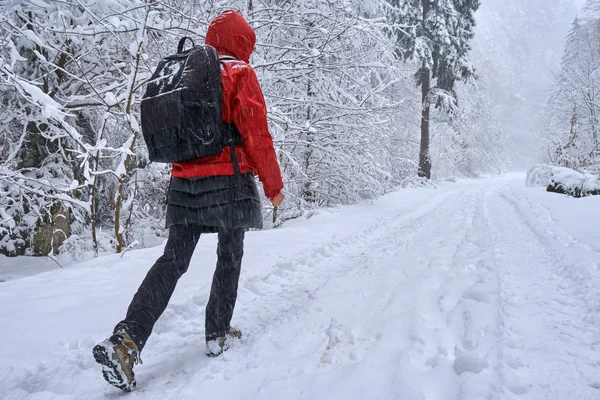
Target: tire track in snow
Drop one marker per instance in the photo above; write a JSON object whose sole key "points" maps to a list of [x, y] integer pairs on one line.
{"points": [[545, 342], [418, 281], [384, 304], [462, 351], [284, 294]]}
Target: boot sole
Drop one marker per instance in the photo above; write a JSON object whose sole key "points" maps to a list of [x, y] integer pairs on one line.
{"points": [[111, 370], [212, 354], [225, 347]]}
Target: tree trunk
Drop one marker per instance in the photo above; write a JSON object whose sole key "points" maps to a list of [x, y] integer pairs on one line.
{"points": [[593, 119], [424, 160], [119, 231], [307, 192], [93, 207]]}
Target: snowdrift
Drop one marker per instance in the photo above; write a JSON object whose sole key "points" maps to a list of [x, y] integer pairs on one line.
{"points": [[564, 180]]}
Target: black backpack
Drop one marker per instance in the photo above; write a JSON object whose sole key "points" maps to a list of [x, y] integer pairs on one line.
{"points": [[181, 108]]}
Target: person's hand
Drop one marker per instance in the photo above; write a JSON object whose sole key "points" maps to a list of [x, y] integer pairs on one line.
{"points": [[277, 200]]}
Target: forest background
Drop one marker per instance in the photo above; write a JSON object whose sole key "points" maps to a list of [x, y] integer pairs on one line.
{"points": [[343, 81]]}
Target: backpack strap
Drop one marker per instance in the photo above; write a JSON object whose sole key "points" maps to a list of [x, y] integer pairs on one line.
{"points": [[233, 138], [182, 43], [227, 58], [233, 135], [234, 159]]}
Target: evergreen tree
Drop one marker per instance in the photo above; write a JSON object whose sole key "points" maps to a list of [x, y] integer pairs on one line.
{"points": [[592, 7], [436, 35]]}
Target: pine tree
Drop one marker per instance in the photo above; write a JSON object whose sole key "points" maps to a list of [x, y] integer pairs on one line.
{"points": [[569, 53], [573, 110], [592, 7], [435, 34]]}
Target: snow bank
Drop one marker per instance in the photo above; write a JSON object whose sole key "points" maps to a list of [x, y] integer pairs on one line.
{"points": [[573, 183], [564, 180]]}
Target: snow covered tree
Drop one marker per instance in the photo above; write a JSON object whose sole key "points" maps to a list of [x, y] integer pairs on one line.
{"points": [[435, 34], [471, 143], [517, 45], [573, 110], [327, 71], [71, 148], [71, 132], [343, 107]]}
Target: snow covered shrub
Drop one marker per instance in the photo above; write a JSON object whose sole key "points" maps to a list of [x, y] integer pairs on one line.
{"points": [[573, 183], [563, 180], [539, 175]]}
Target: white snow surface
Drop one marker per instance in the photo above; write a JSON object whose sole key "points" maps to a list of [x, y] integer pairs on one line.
{"points": [[479, 289]]}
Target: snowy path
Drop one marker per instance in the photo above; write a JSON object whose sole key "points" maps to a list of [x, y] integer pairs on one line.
{"points": [[475, 290]]}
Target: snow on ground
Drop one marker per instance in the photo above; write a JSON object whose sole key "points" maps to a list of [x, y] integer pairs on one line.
{"points": [[14, 268], [481, 289]]}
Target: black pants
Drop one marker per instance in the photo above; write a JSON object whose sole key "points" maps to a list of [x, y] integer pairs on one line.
{"points": [[155, 291]]}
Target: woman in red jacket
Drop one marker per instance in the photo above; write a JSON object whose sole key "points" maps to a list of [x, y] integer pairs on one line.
{"points": [[212, 194]]}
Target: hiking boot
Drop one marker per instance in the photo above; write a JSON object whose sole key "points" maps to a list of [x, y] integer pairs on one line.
{"points": [[117, 355], [216, 345]]}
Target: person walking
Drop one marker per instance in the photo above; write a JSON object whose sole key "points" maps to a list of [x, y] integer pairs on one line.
{"points": [[214, 194]]}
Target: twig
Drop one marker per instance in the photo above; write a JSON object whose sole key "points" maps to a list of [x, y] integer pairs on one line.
{"points": [[53, 259], [135, 243]]}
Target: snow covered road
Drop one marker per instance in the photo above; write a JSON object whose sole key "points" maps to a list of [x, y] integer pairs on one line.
{"points": [[480, 289]]}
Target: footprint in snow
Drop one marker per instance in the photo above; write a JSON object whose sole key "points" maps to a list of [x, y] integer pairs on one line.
{"points": [[514, 383], [468, 361], [340, 343]]}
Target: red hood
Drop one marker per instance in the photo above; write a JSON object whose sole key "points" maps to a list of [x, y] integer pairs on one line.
{"points": [[231, 35]]}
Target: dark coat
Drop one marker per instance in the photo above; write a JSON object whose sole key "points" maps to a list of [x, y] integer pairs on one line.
{"points": [[214, 201]]}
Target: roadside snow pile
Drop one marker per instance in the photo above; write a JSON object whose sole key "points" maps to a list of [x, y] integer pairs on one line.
{"points": [[573, 183], [564, 180]]}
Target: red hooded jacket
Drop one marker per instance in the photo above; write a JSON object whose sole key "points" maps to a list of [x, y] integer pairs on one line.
{"points": [[244, 105]]}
